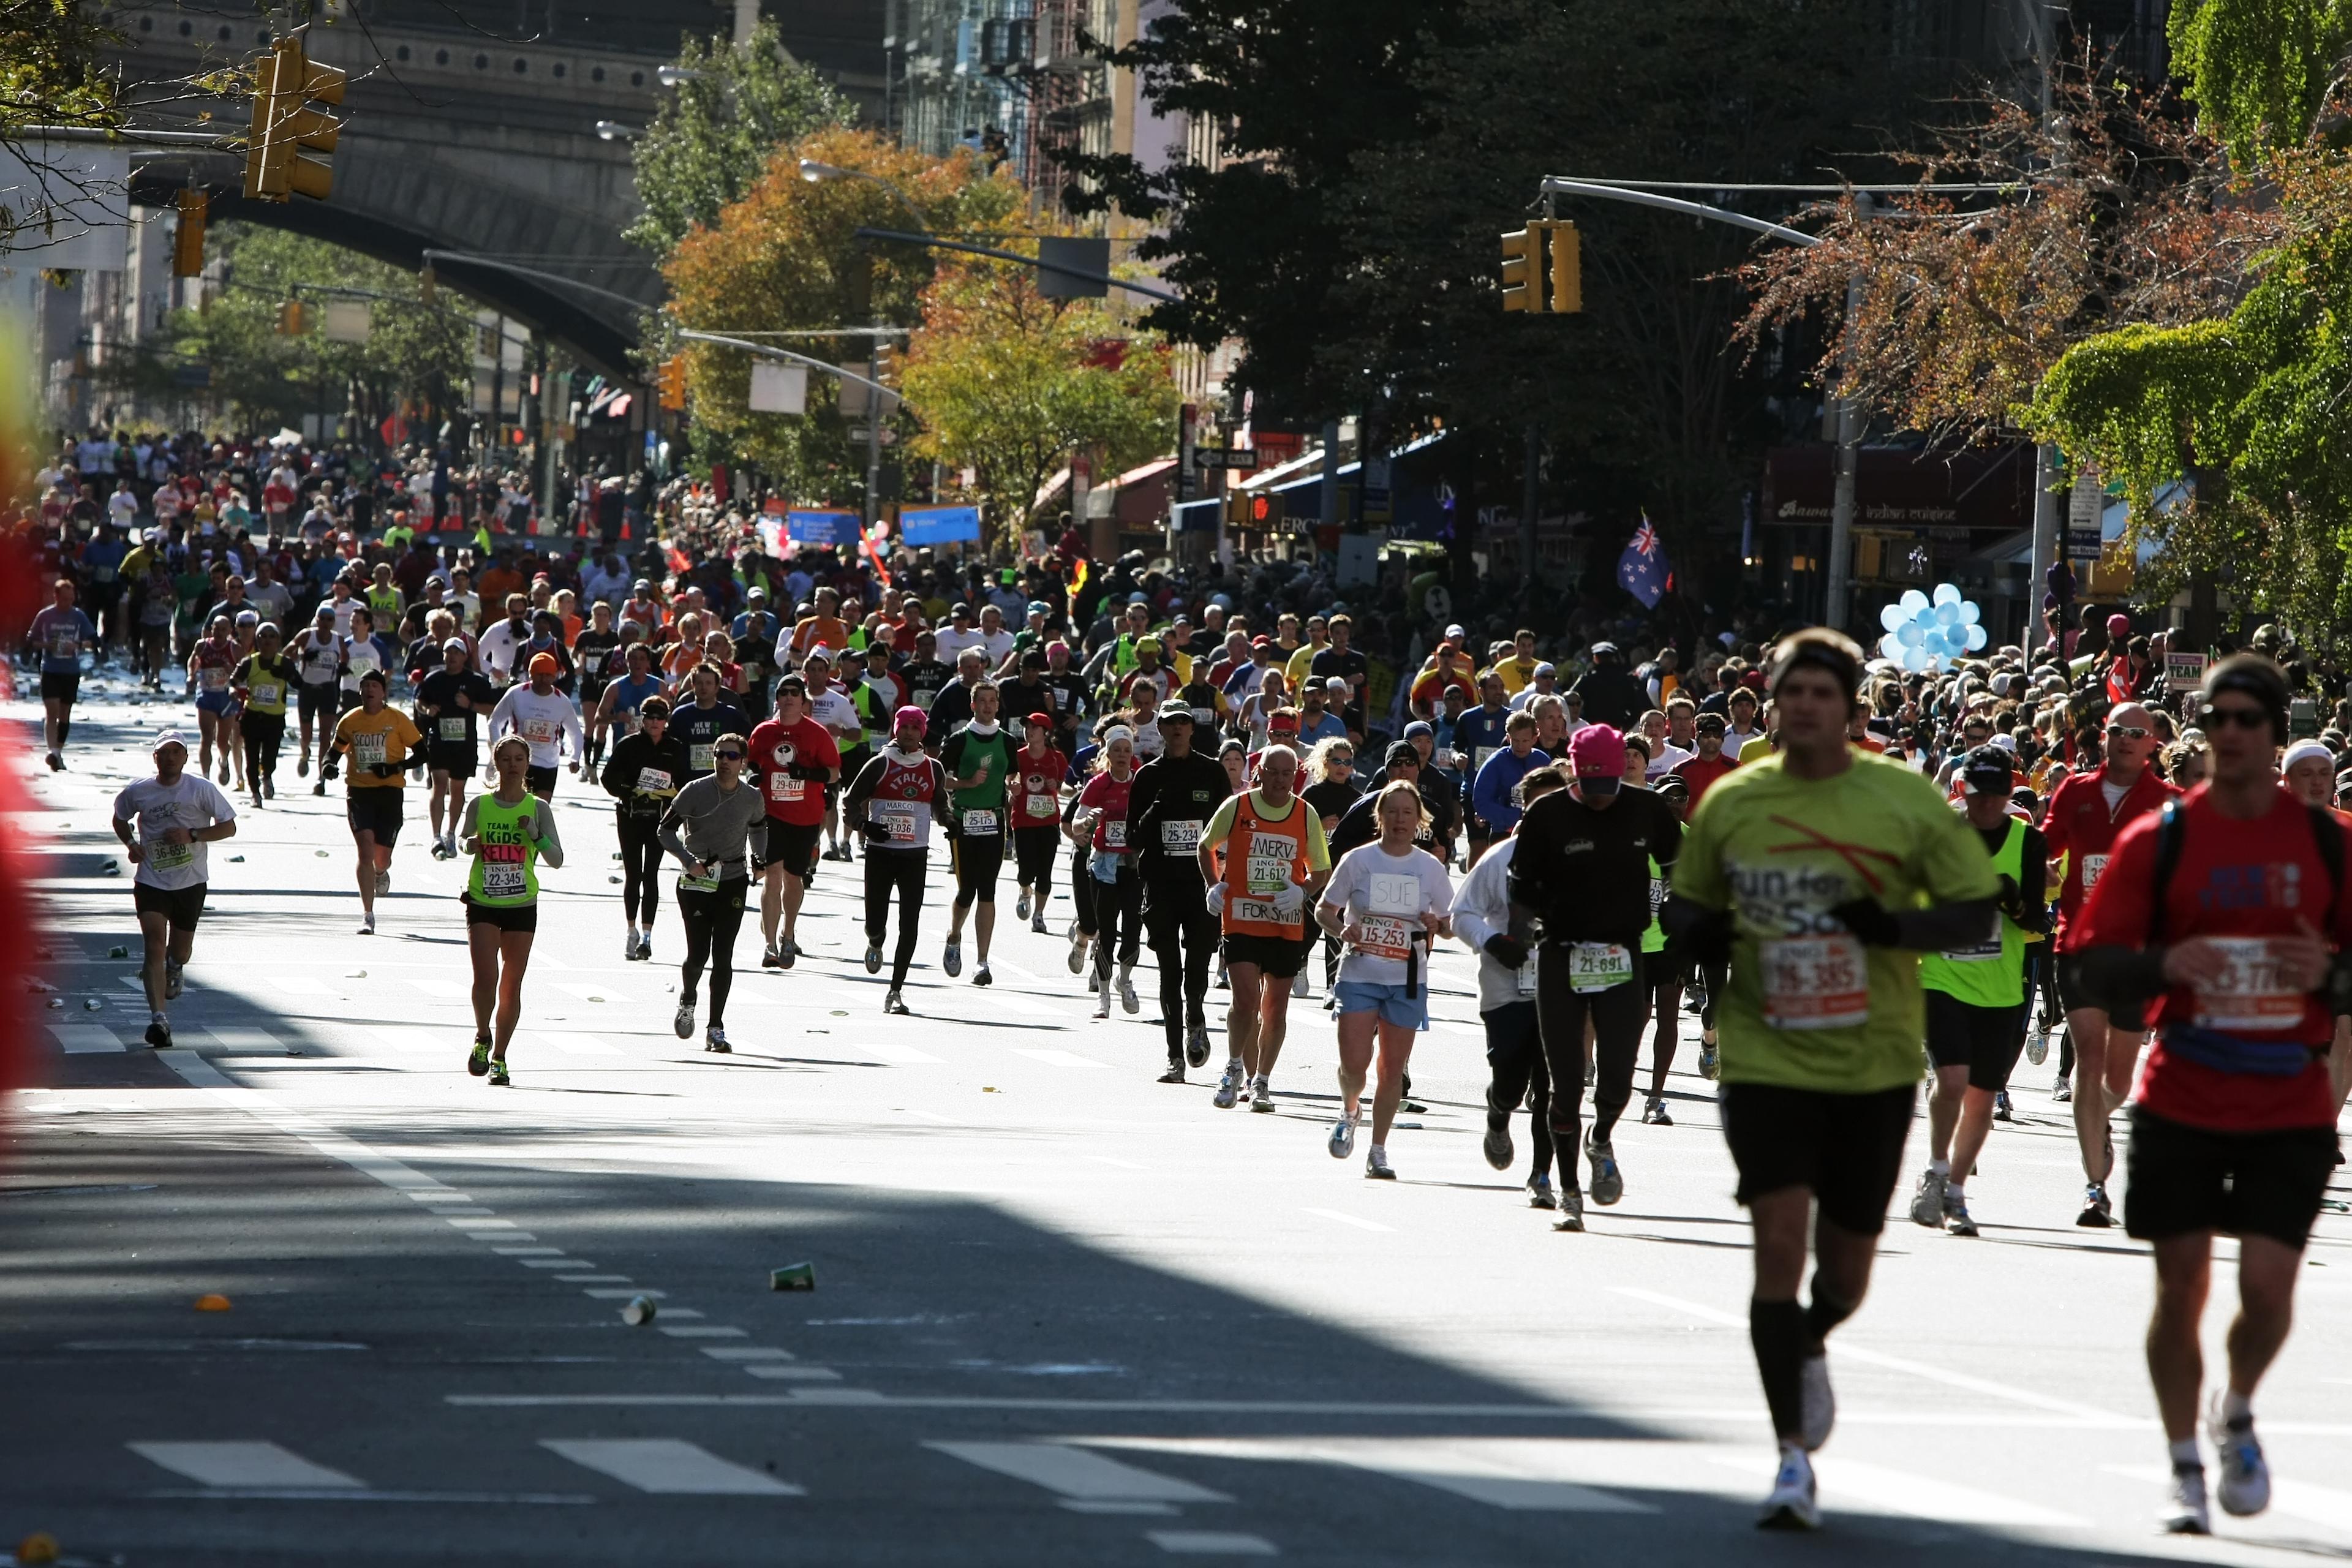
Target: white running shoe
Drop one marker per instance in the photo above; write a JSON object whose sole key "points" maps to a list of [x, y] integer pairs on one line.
{"points": [[1791, 1503], [1037, 920], [951, 959], [2245, 1473], [1079, 941], [1343, 1134], [172, 982], [1229, 1087], [1300, 985], [1020, 906], [684, 1020], [1927, 1200], [383, 881], [1376, 1166], [2186, 1511], [1102, 997], [1128, 999], [367, 922], [1817, 1409], [1261, 1095]]}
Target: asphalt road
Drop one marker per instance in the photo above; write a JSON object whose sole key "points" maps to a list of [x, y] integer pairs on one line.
{"points": [[1063, 1314]]}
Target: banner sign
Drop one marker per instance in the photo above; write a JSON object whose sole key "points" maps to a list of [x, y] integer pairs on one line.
{"points": [[836, 528], [918, 526]]}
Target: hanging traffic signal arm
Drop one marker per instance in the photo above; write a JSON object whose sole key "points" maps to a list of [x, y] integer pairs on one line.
{"points": [[285, 124]]}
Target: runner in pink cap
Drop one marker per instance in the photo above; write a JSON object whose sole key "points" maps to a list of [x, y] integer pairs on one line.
{"points": [[1596, 752]]}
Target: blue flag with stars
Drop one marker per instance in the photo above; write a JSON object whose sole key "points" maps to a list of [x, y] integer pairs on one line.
{"points": [[1642, 571]]}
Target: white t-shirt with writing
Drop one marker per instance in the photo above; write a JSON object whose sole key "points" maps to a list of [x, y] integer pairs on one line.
{"points": [[190, 801], [1387, 895]]}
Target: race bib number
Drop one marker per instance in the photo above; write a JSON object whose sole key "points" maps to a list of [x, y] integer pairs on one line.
{"points": [[783, 786], [367, 749], [1814, 983], [2250, 994], [687, 883], [1385, 936], [1598, 966], [1525, 976], [1204, 716], [500, 881], [1657, 895], [699, 757], [653, 781], [1040, 807], [540, 731], [1478, 755], [268, 694], [978, 821], [1113, 835], [2094, 868], [897, 822], [453, 729], [1984, 952], [921, 698], [1179, 837], [172, 857], [65, 645], [213, 679]]}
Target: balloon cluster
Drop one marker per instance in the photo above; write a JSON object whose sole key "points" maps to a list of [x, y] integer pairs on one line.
{"points": [[1924, 633]]}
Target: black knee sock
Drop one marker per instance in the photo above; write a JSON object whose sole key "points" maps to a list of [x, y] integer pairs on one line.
{"points": [[1826, 1313], [65, 731], [1777, 1330]]}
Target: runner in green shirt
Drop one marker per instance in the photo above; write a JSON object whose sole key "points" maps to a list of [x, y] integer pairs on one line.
{"points": [[977, 759]]}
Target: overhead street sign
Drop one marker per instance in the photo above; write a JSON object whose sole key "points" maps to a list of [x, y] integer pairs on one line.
{"points": [[1206, 457]]}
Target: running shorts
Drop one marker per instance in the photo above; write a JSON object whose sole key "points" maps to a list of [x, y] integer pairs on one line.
{"points": [[2182, 1179], [1847, 1149], [460, 759], [378, 811], [793, 845], [314, 699], [540, 781], [978, 858], [215, 701], [180, 907], [2134, 1021], [1276, 957], [1985, 1040], [61, 686], [506, 916]]}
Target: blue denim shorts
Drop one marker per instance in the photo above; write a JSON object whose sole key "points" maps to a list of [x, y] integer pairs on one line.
{"points": [[1389, 1001]]}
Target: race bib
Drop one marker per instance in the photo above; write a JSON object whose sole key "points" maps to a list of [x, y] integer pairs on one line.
{"points": [[699, 757], [1385, 936], [1039, 807], [687, 883], [453, 729], [897, 822], [1478, 755], [540, 731], [979, 822], [501, 880], [1113, 835], [1598, 966], [2094, 868], [1657, 895], [921, 698], [367, 749], [653, 781], [1181, 838], [172, 857], [751, 669], [65, 645], [1983, 951], [269, 693], [1814, 983], [1204, 716], [1267, 873], [1525, 976], [783, 786], [213, 679], [2251, 995]]}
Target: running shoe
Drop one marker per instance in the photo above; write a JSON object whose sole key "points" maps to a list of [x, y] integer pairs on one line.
{"points": [[1956, 1215], [172, 982], [1592, 1073], [2245, 1474], [1196, 1046], [1790, 1504], [2001, 1110], [873, 958], [1300, 985], [159, 1033], [1037, 920], [1706, 1063], [499, 1078], [770, 958], [478, 1062], [1928, 1199], [1496, 1145], [2186, 1511], [1222, 981], [1102, 996], [1654, 1114], [367, 922], [1128, 999], [788, 953], [2037, 1048], [952, 959], [894, 1003], [1078, 951], [1229, 1087], [1571, 1209], [2062, 1092], [1175, 1073], [1608, 1181], [645, 945], [1343, 1134], [383, 881], [714, 1038], [1020, 906], [1817, 1403], [1260, 1096], [628, 940], [1376, 1166], [683, 1022], [320, 787], [2098, 1210], [980, 977], [1539, 1193]]}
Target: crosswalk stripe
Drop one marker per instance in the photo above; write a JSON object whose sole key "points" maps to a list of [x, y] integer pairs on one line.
{"points": [[245, 1039], [2297, 1499], [1212, 1543], [573, 1044], [447, 989], [80, 1039], [1846, 1483], [668, 1466], [301, 986], [1027, 1007], [1076, 1474], [592, 992], [1058, 1059], [1515, 1473], [242, 1464]]}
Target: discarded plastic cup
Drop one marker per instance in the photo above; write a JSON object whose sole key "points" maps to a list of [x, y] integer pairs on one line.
{"points": [[91, 1004], [118, 953], [639, 1311], [792, 1276]]}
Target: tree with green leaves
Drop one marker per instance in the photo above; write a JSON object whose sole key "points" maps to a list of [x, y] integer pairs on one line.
{"points": [[717, 130]]}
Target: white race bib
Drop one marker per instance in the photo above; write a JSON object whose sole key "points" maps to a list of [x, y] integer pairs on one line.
{"points": [[2094, 868], [172, 857], [1814, 983], [65, 645], [213, 679], [897, 821], [1598, 966], [1040, 807], [1525, 976], [1115, 834], [1179, 837], [453, 729], [1478, 755], [2251, 995], [268, 694], [653, 781], [699, 757], [783, 786], [978, 821], [687, 883], [367, 748], [540, 731], [502, 880], [1385, 936]]}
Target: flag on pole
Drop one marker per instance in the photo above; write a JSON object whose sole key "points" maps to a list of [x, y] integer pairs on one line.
{"points": [[1642, 570]]}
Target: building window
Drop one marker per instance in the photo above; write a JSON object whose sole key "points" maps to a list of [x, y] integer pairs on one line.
{"points": [[481, 62], [402, 53], [187, 29], [636, 78], [558, 68], [520, 64], [146, 24], [440, 57], [597, 74]]}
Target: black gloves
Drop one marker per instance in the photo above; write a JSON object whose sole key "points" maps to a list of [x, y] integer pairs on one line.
{"points": [[328, 769], [876, 833], [1706, 934], [809, 772], [1870, 922], [1510, 954], [384, 770], [2012, 899]]}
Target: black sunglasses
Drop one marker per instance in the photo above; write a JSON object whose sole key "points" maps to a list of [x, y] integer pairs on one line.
{"points": [[729, 756], [2213, 718]]}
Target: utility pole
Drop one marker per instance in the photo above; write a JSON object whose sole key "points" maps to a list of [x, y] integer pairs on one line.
{"points": [[1848, 439], [1528, 506], [873, 401], [1329, 492]]}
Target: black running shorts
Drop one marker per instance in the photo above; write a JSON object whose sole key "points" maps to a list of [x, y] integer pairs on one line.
{"points": [[2182, 1179], [1985, 1040], [1847, 1149]]}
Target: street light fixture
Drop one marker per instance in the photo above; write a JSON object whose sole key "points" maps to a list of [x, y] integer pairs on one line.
{"points": [[677, 75], [614, 131], [817, 173]]}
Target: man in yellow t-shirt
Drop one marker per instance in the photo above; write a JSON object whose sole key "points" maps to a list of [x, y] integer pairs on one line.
{"points": [[377, 740], [1518, 668]]}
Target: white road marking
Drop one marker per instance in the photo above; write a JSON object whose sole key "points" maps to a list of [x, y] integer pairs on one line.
{"points": [[447, 989], [1027, 1007], [301, 986], [698, 1332], [1349, 1219], [2298, 1499], [83, 1039], [246, 1039], [594, 1278], [740, 1353], [527, 1251], [1212, 1543], [555, 1263], [668, 1467], [474, 1221], [1521, 1474], [781, 1373], [1058, 1059], [624, 1295], [1844, 1483], [890, 1051], [592, 992], [573, 1044], [242, 1465], [1076, 1474]]}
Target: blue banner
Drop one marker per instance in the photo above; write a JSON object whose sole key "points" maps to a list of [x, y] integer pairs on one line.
{"points": [[836, 527], [920, 526], [1196, 516]]}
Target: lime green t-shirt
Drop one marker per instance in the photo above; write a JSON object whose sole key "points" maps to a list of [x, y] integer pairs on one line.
{"points": [[1807, 1006]]}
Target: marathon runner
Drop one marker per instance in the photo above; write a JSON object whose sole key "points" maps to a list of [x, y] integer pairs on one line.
{"points": [[698, 724], [317, 653], [1274, 862], [61, 631], [378, 739], [1976, 999], [1039, 771], [210, 665], [164, 824], [834, 709], [642, 776], [261, 683], [798, 765], [450, 701], [893, 801], [616, 709], [2087, 812], [545, 719], [504, 834], [977, 759], [715, 827], [2228, 910], [1169, 805], [1507, 998], [1100, 825], [1821, 871]]}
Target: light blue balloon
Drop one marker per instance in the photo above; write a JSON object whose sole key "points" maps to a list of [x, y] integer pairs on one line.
{"points": [[1968, 611], [1910, 634], [1891, 647], [1946, 594], [1913, 602], [1977, 637], [1891, 617], [1947, 613], [1916, 658]]}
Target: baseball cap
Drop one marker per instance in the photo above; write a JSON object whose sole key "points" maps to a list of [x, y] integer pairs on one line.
{"points": [[1146, 644], [1046, 721], [1544, 667], [1175, 713], [1597, 750], [168, 738], [1986, 771], [1337, 683]]}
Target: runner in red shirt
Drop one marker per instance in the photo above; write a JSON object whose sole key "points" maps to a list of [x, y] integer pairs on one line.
{"points": [[1711, 763], [2087, 812], [796, 758], [1034, 800], [2229, 910]]}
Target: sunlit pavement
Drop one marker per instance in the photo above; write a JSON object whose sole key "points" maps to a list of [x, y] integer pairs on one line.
{"points": [[1062, 1313]]}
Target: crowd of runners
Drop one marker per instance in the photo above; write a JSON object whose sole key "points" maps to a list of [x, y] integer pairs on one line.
{"points": [[1859, 881]]}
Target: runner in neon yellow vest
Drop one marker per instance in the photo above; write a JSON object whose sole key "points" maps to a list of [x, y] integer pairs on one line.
{"points": [[506, 834]]}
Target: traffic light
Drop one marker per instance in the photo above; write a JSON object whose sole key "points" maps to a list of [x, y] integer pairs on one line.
{"points": [[1543, 269], [424, 284], [289, 319], [672, 382], [188, 238], [285, 125]]}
